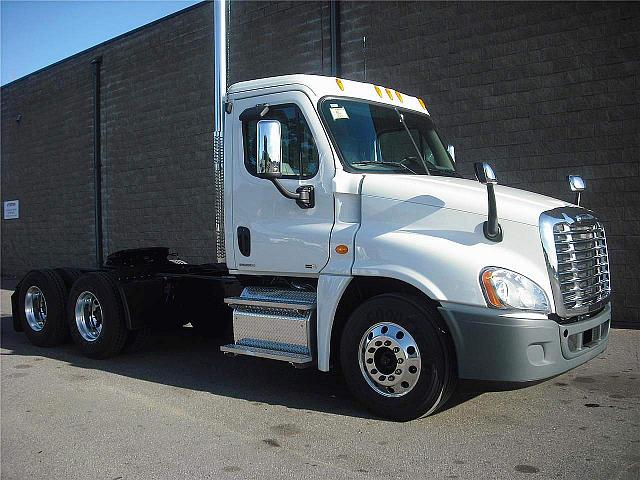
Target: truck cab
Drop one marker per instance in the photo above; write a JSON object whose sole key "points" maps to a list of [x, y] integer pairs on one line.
{"points": [[387, 212]]}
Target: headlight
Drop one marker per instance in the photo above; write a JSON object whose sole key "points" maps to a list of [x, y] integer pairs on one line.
{"points": [[506, 289]]}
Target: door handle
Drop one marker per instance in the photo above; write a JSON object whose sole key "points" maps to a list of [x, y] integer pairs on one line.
{"points": [[244, 241]]}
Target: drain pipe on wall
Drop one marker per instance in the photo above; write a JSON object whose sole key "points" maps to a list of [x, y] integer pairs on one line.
{"points": [[335, 42], [97, 160]]}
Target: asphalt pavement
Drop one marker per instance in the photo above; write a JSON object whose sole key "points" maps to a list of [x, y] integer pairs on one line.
{"points": [[180, 409]]}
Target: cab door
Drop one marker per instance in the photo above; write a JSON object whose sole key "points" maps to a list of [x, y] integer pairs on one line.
{"points": [[273, 234]]}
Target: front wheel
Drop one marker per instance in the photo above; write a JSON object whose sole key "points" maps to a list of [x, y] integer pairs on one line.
{"points": [[397, 358]]}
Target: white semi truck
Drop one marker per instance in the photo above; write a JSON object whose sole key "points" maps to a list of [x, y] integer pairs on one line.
{"points": [[347, 240]]}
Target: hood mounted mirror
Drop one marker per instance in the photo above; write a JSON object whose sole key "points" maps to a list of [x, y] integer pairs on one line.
{"points": [[486, 176]]}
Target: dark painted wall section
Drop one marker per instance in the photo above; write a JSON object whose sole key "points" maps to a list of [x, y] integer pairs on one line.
{"points": [[539, 90], [47, 164], [156, 124]]}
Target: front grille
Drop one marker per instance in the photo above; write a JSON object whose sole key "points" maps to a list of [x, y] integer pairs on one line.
{"points": [[575, 248], [583, 265]]}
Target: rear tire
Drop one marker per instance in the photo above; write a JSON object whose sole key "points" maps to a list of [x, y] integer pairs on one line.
{"points": [[397, 357], [68, 276], [41, 310], [96, 315]]}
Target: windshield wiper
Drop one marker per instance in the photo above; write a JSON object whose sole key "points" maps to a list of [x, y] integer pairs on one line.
{"points": [[393, 164], [424, 164]]}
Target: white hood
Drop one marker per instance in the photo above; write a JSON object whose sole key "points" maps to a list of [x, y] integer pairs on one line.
{"points": [[460, 194]]}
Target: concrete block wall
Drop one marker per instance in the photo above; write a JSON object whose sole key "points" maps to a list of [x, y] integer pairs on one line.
{"points": [[539, 90], [47, 164], [156, 125]]}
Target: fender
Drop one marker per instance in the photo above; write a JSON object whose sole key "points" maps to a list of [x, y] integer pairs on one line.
{"points": [[331, 289]]}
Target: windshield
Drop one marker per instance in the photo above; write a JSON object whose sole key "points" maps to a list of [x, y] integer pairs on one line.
{"points": [[382, 139]]}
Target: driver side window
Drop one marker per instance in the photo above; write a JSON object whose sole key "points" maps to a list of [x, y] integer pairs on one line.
{"points": [[299, 151]]}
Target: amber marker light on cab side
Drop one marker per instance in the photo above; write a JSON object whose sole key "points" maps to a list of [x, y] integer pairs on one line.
{"points": [[492, 296], [340, 84], [342, 249]]}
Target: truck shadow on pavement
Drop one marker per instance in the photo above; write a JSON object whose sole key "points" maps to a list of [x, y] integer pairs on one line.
{"points": [[181, 358]]}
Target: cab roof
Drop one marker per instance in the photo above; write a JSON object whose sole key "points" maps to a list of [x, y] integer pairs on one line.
{"points": [[322, 86]]}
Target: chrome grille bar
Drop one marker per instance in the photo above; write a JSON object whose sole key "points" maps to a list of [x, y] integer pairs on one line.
{"points": [[575, 247]]}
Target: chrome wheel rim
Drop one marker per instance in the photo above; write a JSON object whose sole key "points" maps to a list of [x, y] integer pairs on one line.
{"points": [[389, 359], [88, 315], [35, 308]]}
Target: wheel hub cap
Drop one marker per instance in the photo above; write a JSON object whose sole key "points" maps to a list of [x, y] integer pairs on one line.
{"points": [[35, 308], [88, 313], [389, 359]]}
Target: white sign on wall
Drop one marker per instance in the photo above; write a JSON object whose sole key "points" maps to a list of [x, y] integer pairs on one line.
{"points": [[11, 209]]}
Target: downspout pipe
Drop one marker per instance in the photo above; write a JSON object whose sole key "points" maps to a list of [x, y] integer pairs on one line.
{"points": [[97, 160], [333, 13], [219, 94]]}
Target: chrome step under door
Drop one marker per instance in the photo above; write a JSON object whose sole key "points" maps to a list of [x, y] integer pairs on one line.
{"points": [[273, 323]]}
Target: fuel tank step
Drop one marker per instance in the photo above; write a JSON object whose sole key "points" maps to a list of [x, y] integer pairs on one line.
{"points": [[273, 323], [296, 358]]}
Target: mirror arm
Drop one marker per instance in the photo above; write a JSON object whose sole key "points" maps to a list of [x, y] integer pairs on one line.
{"points": [[304, 195], [492, 229]]}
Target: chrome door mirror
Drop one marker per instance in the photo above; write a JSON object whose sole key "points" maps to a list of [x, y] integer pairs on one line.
{"points": [[452, 152], [485, 174], [576, 183], [269, 154]]}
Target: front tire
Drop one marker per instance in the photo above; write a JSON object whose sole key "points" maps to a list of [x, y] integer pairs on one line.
{"points": [[96, 315], [397, 357]]}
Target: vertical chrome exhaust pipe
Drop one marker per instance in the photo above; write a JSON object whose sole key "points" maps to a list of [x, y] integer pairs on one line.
{"points": [[220, 91]]}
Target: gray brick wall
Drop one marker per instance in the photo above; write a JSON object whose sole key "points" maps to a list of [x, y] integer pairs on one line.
{"points": [[47, 164], [540, 90], [157, 125]]}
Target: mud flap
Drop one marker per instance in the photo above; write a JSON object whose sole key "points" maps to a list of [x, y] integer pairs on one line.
{"points": [[17, 324]]}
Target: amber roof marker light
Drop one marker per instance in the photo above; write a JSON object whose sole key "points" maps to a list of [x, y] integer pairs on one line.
{"points": [[340, 84]]}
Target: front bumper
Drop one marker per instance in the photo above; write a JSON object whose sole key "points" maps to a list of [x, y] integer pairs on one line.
{"points": [[520, 347]]}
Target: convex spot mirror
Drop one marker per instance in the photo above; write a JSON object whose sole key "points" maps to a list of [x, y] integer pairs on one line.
{"points": [[269, 155], [576, 183], [485, 174]]}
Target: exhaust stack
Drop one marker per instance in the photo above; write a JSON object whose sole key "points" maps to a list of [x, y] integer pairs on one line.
{"points": [[220, 91]]}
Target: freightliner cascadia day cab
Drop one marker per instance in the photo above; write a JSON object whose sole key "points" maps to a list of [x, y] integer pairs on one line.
{"points": [[347, 240]]}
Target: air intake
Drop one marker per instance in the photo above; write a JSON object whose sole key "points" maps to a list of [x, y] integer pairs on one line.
{"points": [[220, 91]]}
